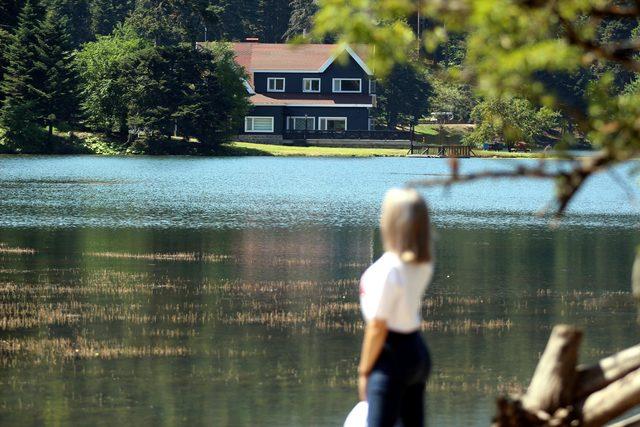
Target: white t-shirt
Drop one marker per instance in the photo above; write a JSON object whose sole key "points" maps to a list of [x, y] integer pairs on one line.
{"points": [[392, 290]]}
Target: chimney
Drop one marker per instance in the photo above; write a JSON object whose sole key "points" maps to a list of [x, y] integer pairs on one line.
{"points": [[252, 40]]}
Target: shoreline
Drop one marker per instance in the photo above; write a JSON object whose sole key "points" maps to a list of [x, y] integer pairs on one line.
{"points": [[85, 143]]}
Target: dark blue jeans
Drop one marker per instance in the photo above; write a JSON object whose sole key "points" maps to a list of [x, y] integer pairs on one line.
{"points": [[395, 389]]}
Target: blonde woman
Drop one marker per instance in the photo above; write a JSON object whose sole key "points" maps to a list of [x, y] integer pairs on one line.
{"points": [[395, 363]]}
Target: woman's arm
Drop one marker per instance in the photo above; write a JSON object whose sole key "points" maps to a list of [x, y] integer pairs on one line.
{"points": [[375, 335]]}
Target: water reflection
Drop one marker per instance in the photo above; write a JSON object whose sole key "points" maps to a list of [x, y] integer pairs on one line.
{"points": [[260, 326]]}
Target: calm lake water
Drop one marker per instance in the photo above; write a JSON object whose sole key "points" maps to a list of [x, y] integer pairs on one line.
{"points": [[193, 291]]}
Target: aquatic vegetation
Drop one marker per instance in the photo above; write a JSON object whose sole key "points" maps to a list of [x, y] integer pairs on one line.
{"points": [[162, 256], [5, 249]]}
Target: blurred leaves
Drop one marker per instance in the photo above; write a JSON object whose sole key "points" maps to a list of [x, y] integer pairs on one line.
{"points": [[513, 47]]}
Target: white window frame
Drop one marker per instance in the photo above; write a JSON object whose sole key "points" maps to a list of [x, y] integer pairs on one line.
{"points": [[304, 85], [250, 129], [320, 119], [274, 79], [313, 127], [334, 81]]}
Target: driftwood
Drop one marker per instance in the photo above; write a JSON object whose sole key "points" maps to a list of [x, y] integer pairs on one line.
{"points": [[563, 394]]}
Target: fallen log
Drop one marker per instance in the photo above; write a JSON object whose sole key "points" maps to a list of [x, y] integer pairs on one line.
{"points": [[612, 401], [629, 422], [595, 377], [552, 385], [563, 395]]}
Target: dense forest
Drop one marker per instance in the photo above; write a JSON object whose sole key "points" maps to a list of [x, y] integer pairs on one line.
{"points": [[130, 70]]}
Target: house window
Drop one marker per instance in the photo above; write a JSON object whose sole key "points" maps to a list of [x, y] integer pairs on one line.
{"points": [[335, 124], [347, 85], [275, 84], [301, 123], [311, 85], [258, 124]]}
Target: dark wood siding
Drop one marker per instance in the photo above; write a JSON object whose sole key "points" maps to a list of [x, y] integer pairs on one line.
{"points": [[293, 81], [357, 117], [276, 112]]}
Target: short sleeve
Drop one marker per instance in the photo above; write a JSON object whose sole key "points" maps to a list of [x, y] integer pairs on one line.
{"points": [[385, 301]]}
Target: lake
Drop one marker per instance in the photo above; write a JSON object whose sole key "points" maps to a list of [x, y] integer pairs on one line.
{"points": [[200, 291]]}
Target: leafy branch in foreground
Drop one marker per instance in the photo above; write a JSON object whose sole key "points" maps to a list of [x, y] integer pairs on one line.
{"points": [[518, 49]]}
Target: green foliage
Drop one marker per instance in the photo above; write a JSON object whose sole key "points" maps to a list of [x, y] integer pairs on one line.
{"points": [[301, 21], [77, 15], [403, 95], [450, 96], [167, 22], [215, 99], [24, 83], [105, 83], [633, 87], [274, 19], [5, 41], [9, 10], [510, 121], [107, 14], [233, 19], [151, 91], [546, 51], [60, 103]]}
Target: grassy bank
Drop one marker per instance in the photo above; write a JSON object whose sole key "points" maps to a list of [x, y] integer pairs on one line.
{"points": [[99, 144], [251, 149]]}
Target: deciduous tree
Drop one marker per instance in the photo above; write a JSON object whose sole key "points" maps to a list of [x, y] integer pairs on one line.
{"points": [[510, 121], [106, 85]]}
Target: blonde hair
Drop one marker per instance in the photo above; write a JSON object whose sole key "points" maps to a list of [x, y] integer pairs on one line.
{"points": [[404, 225]]}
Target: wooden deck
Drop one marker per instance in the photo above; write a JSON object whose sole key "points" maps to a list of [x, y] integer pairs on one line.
{"points": [[458, 151]]}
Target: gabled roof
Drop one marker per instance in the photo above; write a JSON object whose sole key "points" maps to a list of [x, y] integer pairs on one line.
{"points": [[304, 58]]}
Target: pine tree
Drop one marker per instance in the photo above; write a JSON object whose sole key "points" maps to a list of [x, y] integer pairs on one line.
{"points": [[77, 14], [61, 86], [302, 12], [274, 19], [25, 78], [5, 40], [106, 14], [169, 22], [9, 10]]}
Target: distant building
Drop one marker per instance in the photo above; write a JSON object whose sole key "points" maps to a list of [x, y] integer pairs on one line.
{"points": [[305, 88]]}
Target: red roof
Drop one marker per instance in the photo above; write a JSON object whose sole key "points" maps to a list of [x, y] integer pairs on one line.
{"points": [[310, 99], [256, 56], [289, 57]]}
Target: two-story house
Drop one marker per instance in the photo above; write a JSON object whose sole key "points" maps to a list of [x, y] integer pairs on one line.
{"points": [[305, 88]]}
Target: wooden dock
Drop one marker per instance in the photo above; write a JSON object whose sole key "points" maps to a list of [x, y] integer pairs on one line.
{"points": [[438, 151]]}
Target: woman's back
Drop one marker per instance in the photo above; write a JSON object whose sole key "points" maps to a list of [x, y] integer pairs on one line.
{"points": [[392, 290]]}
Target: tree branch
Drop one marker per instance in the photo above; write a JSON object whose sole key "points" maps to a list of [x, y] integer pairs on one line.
{"points": [[569, 182]]}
